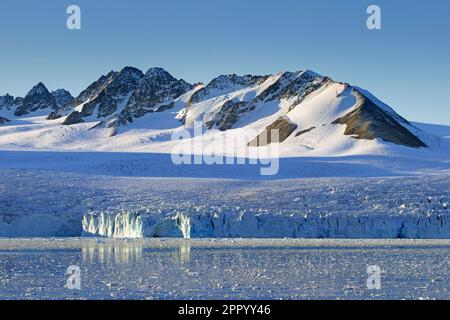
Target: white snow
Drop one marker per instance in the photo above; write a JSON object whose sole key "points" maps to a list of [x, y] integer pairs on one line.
{"points": [[58, 180], [141, 195], [152, 133]]}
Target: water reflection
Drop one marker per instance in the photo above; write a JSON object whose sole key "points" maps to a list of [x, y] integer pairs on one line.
{"points": [[182, 253], [120, 252], [162, 269], [132, 252]]}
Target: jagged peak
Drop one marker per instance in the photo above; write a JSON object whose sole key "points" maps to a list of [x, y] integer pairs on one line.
{"points": [[159, 75], [130, 71], [61, 91], [309, 73], [39, 88], [224, 81], [157, 72]]}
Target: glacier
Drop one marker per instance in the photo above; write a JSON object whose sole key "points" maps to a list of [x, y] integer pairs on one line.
{"points": [[51, 194], [142, 225]]}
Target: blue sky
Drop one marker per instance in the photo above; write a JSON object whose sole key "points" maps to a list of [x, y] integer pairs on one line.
{"points": [[406, 64]]}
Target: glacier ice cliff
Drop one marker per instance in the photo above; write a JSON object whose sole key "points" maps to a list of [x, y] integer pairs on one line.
{"points": [[125, 224], [35, 203]]}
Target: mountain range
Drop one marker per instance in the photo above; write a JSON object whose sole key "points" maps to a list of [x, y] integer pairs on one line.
{"points": [[135, 111]]}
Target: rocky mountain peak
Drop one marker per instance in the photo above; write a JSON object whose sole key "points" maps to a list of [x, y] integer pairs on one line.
{"points": [[95, 88], [63, 98], [38, 89], [129, 74], [306, 105], [230, 80], [159, 74], [110, 93], [6, 101], [155, 92], [38, 98]]}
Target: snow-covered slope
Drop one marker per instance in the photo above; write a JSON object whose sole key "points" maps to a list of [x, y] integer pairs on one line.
{"points": [[137, 112]]}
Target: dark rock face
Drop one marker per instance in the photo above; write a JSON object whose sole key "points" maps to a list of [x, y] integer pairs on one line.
{"points": [[73, 118], [63, 99], [95, 88], [39, 98], [226, 83], [54, 115], [369, 121], [289, 85], [281, 127], [104, 95], [229, 114], [3, 120], [301, 132], [292, 84], [6, 102], [155, 92], [115, 93]]}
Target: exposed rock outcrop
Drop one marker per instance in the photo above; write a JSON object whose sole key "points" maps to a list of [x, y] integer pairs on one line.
{"points": [[369, 121], [73, 118], [38, 98], [278, 131], [3, 120], [155, 92]]}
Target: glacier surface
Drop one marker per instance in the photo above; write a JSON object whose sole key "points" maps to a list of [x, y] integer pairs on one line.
{"points": [[124, 200]]}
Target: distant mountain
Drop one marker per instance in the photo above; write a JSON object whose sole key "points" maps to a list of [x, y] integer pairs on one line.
{"points": [[7, 102], [121, 97], [312, 113], [155, 92], [64, 102], [37, 99], [63, 98]]}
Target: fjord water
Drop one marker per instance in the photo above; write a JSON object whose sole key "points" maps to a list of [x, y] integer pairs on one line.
{"points": [[224, 269]]}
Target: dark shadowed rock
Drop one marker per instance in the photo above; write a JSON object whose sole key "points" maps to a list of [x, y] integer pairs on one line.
{"points": [[63, 99], [282, 127], [73, 118], [54, 115], [6, 102], [3, 120], [114, 94], [304, 131], [39, 98], [155, 92], [95, 88], [229, 114], [224, 84], [369, 121]]}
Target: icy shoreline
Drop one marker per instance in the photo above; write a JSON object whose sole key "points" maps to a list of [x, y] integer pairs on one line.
{"points": [[223, 268]]}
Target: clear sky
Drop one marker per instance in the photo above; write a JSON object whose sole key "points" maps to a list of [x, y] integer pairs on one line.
{"points": [[406, 64]]}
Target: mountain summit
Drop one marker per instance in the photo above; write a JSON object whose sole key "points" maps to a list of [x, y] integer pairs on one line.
{"points": [[37, 99], [313, 113]]}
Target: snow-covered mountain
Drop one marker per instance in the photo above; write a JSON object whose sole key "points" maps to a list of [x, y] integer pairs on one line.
{"points": [[132, 111], [38, 100]]}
